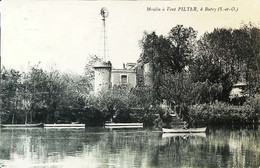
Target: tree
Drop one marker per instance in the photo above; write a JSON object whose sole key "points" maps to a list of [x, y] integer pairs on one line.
{"points": [[226, 56], [75, 94], [183, 42], [214, 61], [168, 54], [89, 71], [247, 46], [11, 96], [171, 53]]}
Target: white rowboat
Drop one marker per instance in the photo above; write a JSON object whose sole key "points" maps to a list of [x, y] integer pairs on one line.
{"points": [[64, 125], [124, 125], [183, 130], [169, 135], [22, 125]]}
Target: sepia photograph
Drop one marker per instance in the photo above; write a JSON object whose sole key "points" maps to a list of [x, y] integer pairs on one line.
{"points": [[129, 84]]}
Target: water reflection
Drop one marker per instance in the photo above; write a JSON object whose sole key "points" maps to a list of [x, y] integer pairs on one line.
{"points": [[99, 147]]}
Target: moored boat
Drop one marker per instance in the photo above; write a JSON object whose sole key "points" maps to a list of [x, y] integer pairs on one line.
{"points": [[124, 125], [22, 125], [198, 134], [64, 125], [184, 130]]}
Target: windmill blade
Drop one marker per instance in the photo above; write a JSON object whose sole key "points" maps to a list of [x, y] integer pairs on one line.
{"points": [[104, 12]]}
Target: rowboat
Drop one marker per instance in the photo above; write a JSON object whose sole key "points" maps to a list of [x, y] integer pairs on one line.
{"points": [[169, 135], [22, 125], [183, 130], [124, 125], [64, 125]]}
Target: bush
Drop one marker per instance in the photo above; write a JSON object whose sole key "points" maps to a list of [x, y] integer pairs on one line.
{"points": [[118, 105], [223, 113]]}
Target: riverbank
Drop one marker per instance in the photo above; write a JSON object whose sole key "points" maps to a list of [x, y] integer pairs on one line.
{"points": [[217, 113]]}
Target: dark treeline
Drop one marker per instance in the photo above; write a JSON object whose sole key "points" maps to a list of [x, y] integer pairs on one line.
{"points": [[41, 96], [195, 75], [54, 97]]}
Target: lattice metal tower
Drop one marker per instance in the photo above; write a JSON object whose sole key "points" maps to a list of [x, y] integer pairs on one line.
{"points": [[103, 68], [104, 13]]}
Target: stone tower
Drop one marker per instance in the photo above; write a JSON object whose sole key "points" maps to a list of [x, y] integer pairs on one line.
{"points": [[102, 76]]}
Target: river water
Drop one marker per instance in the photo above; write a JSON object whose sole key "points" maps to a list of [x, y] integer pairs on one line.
{"points": [[126, 148]]}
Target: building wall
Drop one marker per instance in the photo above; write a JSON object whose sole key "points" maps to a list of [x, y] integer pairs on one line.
{"points": [[147, 71], [140, 75], [116, 76]]}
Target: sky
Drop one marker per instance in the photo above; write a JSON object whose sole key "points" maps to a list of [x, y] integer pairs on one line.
{"points": [[63, 34]]}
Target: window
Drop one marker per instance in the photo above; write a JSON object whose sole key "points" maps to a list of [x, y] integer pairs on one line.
{"points": [[123, 79]]}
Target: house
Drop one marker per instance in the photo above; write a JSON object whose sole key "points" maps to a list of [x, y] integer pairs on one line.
{"points": [[131, 75]]}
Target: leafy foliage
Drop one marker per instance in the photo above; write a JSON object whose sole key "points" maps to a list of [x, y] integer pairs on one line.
{"points": [[226, 56], [223, 113], [52, 97], [169, 54]]}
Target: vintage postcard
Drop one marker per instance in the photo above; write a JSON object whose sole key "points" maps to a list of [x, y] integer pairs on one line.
{"points": [[130, 83]]}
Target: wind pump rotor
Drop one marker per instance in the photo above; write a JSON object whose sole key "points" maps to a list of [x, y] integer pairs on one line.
{"points": [[104, 12]]}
